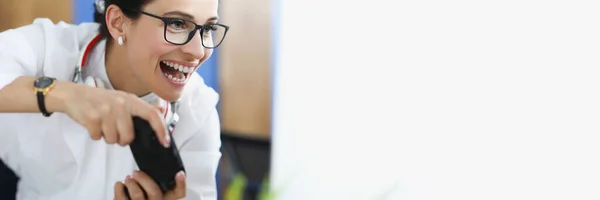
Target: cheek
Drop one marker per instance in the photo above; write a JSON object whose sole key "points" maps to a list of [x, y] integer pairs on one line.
{"points": [[149, 52], [145, 63], [150, 45], [207, 54]]}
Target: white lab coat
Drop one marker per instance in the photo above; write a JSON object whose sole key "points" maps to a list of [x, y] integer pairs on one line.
{"points": [[55, 157]]}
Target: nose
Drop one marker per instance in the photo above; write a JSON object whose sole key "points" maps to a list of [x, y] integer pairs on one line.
{"points": [[194, 47]]}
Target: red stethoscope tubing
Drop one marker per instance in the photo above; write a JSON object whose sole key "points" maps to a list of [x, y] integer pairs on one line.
{"points": [[88, 48], [77, 77]]}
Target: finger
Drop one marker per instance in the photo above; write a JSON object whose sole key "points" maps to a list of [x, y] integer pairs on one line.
{"points": [[148, 185], [94, 131], [109, 131], [120, 191], [135, 192], [153, 116], [180, 188], [158, 125], [160, 108], [94, 126], [125, 129]]}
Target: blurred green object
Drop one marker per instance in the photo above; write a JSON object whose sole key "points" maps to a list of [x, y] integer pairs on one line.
{"points": [[244, 168], [265, 190], [237, 187], [235, 190]]}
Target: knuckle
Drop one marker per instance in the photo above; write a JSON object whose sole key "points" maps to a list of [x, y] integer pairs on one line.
{"points": [[125, 139], [152, 117], [119, 101], [154, 113], [154, 193], [95, 136], [92, 123], [131, 96], [94, 118], [110, 140], [104, 109], [137, 196]]}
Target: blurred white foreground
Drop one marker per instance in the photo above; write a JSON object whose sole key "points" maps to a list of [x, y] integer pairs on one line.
{"points": [[436, 100]]}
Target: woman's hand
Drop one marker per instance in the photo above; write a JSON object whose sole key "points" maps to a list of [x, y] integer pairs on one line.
{"points": [[108, 114], [141, 186]]}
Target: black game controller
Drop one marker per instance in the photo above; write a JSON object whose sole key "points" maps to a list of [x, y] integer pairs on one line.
{"points": [[160, 163]]}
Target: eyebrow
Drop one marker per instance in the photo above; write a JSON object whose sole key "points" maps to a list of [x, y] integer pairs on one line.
{"points": [[188, 16]]}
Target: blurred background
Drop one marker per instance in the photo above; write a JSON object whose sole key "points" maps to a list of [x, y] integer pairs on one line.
{"points": [[239, 71], [397, 100]]}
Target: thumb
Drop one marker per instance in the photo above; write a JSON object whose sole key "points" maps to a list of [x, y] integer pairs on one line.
{"points": [[180, 188]]}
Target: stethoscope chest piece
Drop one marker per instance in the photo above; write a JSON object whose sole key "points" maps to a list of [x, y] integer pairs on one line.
{"points": [[175, 117], [77, 76]]}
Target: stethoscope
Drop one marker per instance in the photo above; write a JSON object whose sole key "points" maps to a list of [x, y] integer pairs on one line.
{"points": [[78, 78], [78, 75]]}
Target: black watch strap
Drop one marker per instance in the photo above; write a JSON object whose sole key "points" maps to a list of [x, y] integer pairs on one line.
{"points": [[42, 104], [42, 86]]}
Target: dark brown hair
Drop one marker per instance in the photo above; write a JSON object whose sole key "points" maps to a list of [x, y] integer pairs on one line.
{"points": [[125, 6]]}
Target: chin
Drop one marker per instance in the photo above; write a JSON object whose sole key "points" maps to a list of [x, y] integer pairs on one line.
{"points": [[169, 95]]}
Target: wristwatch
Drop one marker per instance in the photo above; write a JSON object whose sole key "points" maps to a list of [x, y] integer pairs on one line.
{"points": [[41, 87]]}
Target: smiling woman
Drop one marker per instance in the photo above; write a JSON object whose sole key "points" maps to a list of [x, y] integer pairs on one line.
{"points": [[139, 58], [163, 36]]}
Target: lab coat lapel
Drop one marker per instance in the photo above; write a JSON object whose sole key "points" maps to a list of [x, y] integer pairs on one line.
{"points": [[90, 157], [75, 135], [76, 138]]}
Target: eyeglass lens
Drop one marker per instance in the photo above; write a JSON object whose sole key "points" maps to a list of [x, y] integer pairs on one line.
{"points": [[178, 31]]}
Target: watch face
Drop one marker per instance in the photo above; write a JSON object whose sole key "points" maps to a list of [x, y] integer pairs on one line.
{"points": [[43, 82]]}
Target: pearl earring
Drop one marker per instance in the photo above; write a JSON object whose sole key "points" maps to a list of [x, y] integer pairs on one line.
{"points": [[120, 40]]}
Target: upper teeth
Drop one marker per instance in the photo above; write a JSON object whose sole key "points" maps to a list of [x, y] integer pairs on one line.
{"points": [[179, 67]]}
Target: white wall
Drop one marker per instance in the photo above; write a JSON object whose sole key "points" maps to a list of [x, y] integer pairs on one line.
{"points": [[452, 100]]}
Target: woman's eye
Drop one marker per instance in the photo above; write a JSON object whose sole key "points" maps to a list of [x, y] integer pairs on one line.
{"points": [[177, 24], [209, 27]]}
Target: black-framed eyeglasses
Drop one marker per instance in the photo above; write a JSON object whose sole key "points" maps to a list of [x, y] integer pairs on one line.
{"points": [[180, 31]]}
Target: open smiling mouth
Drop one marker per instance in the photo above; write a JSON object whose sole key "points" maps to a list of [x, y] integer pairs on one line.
{"points": [[176, 72]]}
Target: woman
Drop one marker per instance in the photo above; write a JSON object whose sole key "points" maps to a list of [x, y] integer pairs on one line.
{"points": [[69, 140]]}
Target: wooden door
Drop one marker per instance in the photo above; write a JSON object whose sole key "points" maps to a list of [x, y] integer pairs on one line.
{"points": [[244, 68], [15, 13]]}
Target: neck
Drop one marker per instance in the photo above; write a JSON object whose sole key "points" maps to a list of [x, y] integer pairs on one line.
{"points": [[119, 74]]}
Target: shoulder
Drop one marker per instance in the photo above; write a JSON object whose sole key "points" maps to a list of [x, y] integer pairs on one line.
{"points": [[44, 46], [43, 31], [199, 98]]}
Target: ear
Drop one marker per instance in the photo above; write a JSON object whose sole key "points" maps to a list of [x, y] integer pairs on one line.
{"points": [[115, 21]]}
